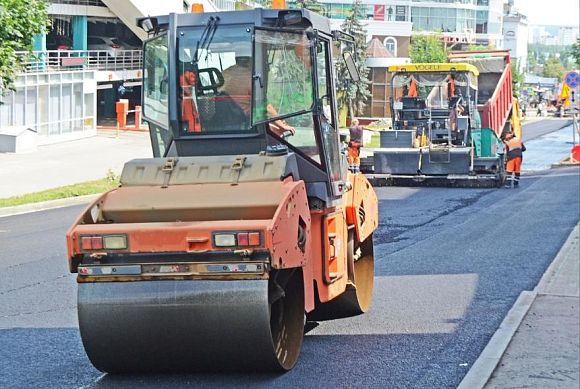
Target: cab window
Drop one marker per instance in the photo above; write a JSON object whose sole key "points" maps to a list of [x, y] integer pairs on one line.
{"points": [[215, 80], [284, 84], [155, 105]]}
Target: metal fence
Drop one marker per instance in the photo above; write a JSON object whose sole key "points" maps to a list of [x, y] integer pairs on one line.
{"points": [[61, 60], [96, 3]]}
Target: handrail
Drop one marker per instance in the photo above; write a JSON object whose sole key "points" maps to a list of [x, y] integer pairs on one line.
{"points": [[59, 60], [95, 3]]}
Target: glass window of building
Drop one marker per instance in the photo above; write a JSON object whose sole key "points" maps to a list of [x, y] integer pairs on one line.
{"points": [[481, 22], [391, 45]]}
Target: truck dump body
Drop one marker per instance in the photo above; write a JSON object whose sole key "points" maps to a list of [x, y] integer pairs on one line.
{"points": [[495, 95]]}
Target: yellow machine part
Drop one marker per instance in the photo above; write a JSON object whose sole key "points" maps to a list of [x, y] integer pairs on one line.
{"points": [[516, 118]]}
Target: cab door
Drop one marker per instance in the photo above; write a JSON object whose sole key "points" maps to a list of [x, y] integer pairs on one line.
{"points": [[326, 115]]}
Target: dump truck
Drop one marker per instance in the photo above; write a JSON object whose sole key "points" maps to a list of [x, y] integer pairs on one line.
{"points": [[448, 119], [246, 223]]}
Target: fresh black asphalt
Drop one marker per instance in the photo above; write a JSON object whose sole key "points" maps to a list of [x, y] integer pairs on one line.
{"points": [[450, 263]]}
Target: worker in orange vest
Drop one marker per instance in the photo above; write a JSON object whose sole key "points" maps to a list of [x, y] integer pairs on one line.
{"points": [[189, 114], [450, 86], [514, 154], [354, 145], [411, 89]]}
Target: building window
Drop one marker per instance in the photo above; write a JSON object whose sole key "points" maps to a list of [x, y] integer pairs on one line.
{"points": [[391, 45], [481, 22]]}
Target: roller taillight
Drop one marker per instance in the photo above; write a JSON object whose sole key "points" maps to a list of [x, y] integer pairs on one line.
{"points": [[237, 239], [104, 242]]}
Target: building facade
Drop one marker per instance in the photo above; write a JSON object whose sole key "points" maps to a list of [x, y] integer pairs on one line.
{"points": [[465, 21], [516, 38]]}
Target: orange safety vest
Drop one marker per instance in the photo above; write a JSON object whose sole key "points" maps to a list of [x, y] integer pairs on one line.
{"points": [[515, 147], [451, 91], [514, 143], [189, 113], [412, 89]]}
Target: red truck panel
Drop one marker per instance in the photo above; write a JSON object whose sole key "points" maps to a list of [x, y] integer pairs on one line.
{"points": [[495, 111]]}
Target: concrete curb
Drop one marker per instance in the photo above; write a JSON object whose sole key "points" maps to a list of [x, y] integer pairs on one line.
{"points": [[565, 163], [45, 205], [566, 249], [484, 366]]}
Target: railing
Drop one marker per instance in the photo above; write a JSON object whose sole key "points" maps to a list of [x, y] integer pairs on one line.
{"points": [[95, 3], [59, 60], [232, 5], [224, 5]]}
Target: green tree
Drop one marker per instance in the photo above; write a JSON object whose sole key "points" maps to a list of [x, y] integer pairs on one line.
{"points": [[532, 62], [575, 52], [474, 47], [554, 68], [353, 95], [312, 5], [517, 78], [427, 49], [20, 20]]}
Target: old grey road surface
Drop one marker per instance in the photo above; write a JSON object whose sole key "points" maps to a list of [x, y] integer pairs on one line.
{"points": [[449, 265], [535, 129]]}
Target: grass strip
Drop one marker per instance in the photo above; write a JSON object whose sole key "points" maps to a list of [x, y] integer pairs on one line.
{"points": [[81, 189]]}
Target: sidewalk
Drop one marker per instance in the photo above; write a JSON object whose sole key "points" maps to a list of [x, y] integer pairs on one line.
{"points": [[70, 162], [545, 350], [538, 343]]}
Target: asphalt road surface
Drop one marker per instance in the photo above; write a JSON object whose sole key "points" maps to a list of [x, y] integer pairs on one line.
{"points": [[450, 263], [533, 129]]}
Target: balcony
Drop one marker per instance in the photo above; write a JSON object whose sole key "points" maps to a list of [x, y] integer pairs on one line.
{"points": [[66, 60]]}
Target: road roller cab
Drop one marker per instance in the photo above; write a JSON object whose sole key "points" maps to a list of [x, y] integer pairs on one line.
{"points": [[209, 256]]}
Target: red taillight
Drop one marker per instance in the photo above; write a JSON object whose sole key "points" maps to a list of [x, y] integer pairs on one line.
{"points": [[115, 46], [92, 243], [243, 239], [97, 242], [254, 239], [104, 242], [239, 239], [86, 243]]}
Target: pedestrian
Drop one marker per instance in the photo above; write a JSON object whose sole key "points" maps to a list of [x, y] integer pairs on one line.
{"points": [[514, 155], [354, 145]]}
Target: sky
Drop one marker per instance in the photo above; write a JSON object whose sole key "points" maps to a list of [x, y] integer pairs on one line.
{"points": [[550, 12]]}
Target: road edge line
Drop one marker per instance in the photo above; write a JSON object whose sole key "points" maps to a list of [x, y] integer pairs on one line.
{"points": [[46, 205], [485, 365]]}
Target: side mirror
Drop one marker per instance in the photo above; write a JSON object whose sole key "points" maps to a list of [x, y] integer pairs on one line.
{"points": [[351, 66]]}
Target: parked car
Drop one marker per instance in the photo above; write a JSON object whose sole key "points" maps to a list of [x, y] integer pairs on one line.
{"points": [[58, 42], [129, 45], [102, 43]]}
